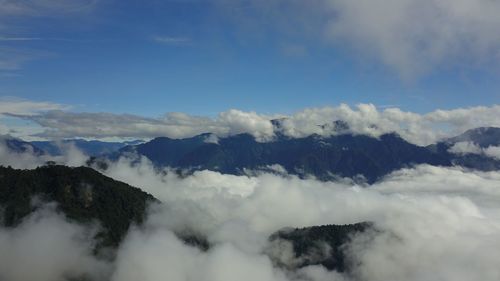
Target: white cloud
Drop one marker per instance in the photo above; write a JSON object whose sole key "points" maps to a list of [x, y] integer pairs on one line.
{"points": [[471, 148], [465, 147], [46, 247], [493, 151], [434, 220], [414, 36]]}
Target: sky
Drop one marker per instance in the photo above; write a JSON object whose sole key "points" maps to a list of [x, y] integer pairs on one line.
{"points": [[204, 57]]}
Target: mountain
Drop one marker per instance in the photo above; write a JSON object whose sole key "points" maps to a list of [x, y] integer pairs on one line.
{"points": [[165, 151], [317, 245], [91, 148], [82, 194], [326, 158]]}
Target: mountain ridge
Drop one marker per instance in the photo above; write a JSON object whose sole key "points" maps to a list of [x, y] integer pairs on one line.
{"points": [[326, 158]]}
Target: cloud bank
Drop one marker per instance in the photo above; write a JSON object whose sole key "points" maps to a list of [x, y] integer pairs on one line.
{"points": [[367, 119], [434, 221]]}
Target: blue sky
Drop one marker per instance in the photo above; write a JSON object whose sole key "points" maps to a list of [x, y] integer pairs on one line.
{"points": [[204, 57]]}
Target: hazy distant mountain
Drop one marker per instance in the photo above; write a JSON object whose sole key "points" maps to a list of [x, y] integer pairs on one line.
{"points": [[16, 145], [482, 137], [326, 158], [91, 148]]}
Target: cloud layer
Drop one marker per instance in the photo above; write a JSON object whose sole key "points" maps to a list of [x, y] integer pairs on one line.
{"points": [[435, 223]]}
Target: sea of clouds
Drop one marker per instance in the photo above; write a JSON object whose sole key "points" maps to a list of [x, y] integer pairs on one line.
{"points": [[435, 224]]}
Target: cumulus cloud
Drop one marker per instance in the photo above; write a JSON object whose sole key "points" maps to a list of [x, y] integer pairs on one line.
{"points": [[367, 119]]}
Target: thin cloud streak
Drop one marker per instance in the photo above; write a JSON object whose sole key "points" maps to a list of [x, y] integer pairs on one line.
{"points": [[169, 40]]}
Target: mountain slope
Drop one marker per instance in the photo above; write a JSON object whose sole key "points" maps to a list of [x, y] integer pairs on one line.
{"points": [[91, 148], [82, 194], [317, 245]]}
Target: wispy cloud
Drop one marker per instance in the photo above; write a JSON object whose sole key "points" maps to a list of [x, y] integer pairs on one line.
{"points": [[8, 39], [13, 13], [12, 105], [172, 40], [44, 7], [14, 58]]}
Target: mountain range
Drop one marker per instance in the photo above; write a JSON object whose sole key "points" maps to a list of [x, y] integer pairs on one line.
{"points": [[327, 158], [345, 155]]}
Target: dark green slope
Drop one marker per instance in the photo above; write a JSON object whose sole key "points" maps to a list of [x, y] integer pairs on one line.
{"points": [[320, 245], [82, 194]]}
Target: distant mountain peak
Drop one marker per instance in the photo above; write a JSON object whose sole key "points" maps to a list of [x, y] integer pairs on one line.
{"points": [[482, 136]]}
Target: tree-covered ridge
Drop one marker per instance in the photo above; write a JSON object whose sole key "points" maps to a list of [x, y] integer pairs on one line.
{"points": [[82, 194], [318, 245]]}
